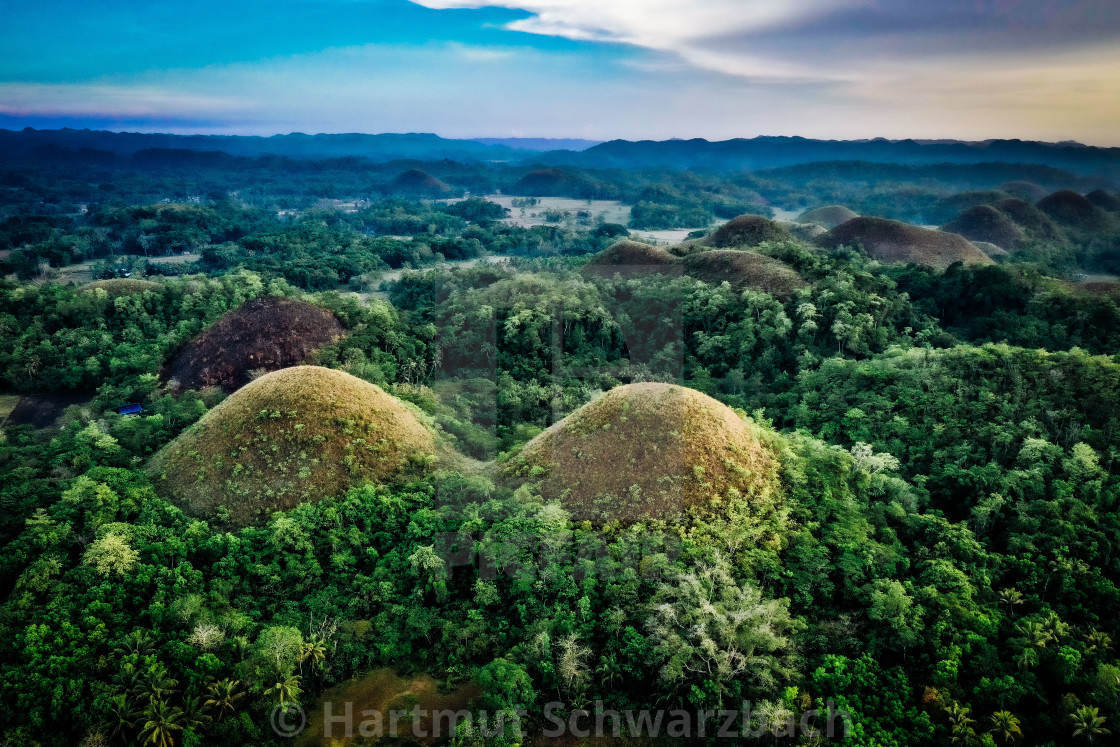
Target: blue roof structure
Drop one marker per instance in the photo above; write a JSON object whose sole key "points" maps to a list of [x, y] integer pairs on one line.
{"points": [[130, 409]]}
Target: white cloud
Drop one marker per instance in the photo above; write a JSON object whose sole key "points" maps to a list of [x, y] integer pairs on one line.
{"points": [[680, 27]]}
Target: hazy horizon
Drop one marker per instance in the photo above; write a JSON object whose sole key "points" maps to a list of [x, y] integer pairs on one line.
{"points": [[530, 137]]}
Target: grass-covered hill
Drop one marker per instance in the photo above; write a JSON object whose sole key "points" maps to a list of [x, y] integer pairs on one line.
{"points": [[987, 224], [1027, 216], [743, 270], [829, 216], [294, 435], [420, 183], [740, 268], [746, 230], [893, 241], [265, 334], [649, 451], [1075, 211], [633, 255]]}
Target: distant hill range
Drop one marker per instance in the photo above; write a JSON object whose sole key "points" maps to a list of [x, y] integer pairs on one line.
{"points": [[539, 144], [384, 147], [727, 155], [774, 152]]}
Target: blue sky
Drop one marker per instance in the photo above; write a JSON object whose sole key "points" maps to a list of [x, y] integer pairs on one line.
{"points": [[1039, 69]]}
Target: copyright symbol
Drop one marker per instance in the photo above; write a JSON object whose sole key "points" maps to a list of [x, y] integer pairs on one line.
{"points": [[288, 720]]}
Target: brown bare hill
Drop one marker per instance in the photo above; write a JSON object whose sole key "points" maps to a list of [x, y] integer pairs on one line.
{"points": [[546, 183], [985, 223], [892, 241], [1104, 200], [122, 286], [743, 269], [829, 216], [1028, 191], [1030, 218], [645, 451], [289, 437], [1073, 210], [263, 334], [948, 208], [746, 230], [633, 255], [418, 182], [804, 231]]}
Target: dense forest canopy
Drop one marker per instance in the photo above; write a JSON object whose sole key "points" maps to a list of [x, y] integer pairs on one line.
{"points": [[918, 521]]}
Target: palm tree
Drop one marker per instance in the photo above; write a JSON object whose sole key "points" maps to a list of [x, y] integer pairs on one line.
{"points": [[194, 713], [314, 651], [1035, 633], [1055, 627], [1098, 640], [960, 724], [222, 696], [160, 685], [162, 720], [138, 643], [1088, 723], [287, 690], [123, 710], [1006, 725], [129, 679], [1011, 597], [1035, 636]]}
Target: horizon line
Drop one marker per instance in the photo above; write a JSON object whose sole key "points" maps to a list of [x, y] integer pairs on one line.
{"points": [[1069, 143]]}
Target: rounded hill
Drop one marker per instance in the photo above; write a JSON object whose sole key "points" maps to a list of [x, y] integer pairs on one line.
{"points": [[1024, 190], [648, 451], [548, 183], [1074, 210], [634, 255], [746, 230], [291, 436], [1104, 200], [804, 231], [892, 241], [418, 182], [744, 269], [1028, 217], [122, 286], [829, 216], [265, 334], [985, 223]]}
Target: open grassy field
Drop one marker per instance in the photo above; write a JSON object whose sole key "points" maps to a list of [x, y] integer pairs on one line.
{"points": [[82, 272], [612, 211]]}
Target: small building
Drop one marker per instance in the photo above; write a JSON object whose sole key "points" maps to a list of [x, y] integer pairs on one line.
{"points": [[134, 408]]}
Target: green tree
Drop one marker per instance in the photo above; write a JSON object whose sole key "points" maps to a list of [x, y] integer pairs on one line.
{"points": [[1088, 723], [286, 690], [1005, 725], [161, 723], [222, 696]]}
